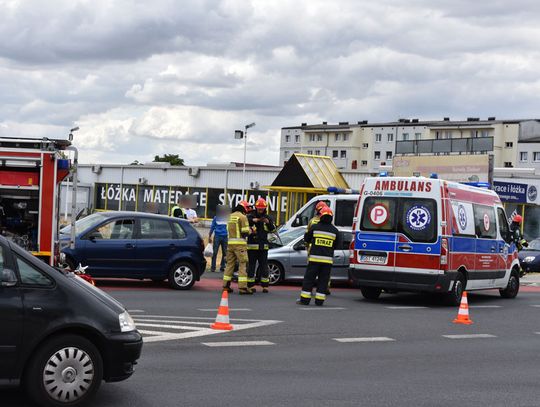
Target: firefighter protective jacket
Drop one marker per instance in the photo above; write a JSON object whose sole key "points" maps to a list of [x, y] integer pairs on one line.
{"points": [[259, 239], [323, 239], [237, 228]]}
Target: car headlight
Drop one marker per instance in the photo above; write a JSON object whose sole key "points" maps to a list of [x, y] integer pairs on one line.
{"points": [[528, 259], [126, 322]]}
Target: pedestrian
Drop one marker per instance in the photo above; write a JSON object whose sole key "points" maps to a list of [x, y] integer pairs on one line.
{"points": [[238, 230], [261, 224], [218, 228], [177, 211], [187, 204], [323, 238]]}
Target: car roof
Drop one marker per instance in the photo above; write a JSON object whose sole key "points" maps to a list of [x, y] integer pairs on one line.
{"points": [[122, 214]]}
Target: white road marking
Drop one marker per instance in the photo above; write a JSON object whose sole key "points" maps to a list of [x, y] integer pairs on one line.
{"points": [[469, 336], [321, 308], [184, 327], [136, 310], [537, 333], [406, 307], [168, 321], [535, 305], [238, 343], [367, 339], [230, 309], [485, 306]]}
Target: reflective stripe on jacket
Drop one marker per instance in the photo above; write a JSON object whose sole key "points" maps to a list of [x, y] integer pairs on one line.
{"points": [[323, 239]]}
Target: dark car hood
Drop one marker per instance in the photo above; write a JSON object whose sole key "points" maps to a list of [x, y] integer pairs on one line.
{"points": [[97, 293], [526, 253]]}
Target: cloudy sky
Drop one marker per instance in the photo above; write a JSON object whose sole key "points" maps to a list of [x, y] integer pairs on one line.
{"points": [[165, 76]]}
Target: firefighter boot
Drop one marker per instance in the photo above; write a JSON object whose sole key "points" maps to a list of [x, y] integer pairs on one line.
{"points": [[265, 290], [227, 287], [245, 291], [319, 303]]}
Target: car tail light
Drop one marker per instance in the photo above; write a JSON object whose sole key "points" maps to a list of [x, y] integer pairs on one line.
{"points": [[351, 250], [444, 254]]}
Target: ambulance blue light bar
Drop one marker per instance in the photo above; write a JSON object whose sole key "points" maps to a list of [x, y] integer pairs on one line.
{"points": [[336, 190], [485, 185], [383, 174], [434, 175]]}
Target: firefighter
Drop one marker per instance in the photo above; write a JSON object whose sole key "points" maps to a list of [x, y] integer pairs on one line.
{"points": [[323, 238], [177, 211], [261, 224], [313, 221], [237, 229], [515, 229]]}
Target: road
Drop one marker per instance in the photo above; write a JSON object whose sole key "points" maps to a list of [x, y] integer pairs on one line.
{"points": [[399, 351]]}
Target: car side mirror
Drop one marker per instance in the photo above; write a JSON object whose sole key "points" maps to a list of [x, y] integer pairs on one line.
{"points": [[299, 246], [8, 278], [297, 221]]}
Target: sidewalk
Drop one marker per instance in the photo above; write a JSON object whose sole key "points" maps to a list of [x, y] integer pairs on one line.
{"points": [[531, 279]]}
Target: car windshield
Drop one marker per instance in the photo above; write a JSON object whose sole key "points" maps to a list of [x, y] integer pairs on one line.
{"points": [[534, 245], [287, 237], [85, 223]]}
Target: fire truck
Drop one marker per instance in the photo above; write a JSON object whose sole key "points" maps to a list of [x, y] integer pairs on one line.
{"points": [[31, 171]]}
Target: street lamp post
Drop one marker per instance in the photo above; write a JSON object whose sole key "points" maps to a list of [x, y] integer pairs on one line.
{"points": [[238, 134]]}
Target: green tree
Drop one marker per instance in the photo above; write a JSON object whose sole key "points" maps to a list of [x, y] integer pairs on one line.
{"points": [[136, 162], [173, 159]]}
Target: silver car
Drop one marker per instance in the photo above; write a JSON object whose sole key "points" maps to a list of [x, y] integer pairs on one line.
{"points": [[287, 257]]}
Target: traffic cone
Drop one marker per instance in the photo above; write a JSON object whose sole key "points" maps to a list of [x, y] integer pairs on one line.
{"points": [[463, 313], [222, 318]]}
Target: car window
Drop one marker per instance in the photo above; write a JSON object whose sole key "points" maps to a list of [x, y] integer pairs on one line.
{"points": [[346, 239], [180, 232], [114, 230], [306, 215], [504, 228], [484, 221], [156, 229], [31, 275], [344, 212]]}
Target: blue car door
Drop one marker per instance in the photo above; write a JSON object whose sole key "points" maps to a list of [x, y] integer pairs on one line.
{"points": [[109, 249], [156, 245]]}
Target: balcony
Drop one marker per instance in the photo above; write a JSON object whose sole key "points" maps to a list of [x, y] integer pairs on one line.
{"points": [[440, 146]]}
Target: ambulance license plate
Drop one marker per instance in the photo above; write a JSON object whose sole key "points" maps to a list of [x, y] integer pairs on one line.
{"points": [[365, 258]]}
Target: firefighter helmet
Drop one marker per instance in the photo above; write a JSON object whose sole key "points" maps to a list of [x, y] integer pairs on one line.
{"points": [[245, 204], [326, 211], [261, 204], [517, 218], [320, 205]]}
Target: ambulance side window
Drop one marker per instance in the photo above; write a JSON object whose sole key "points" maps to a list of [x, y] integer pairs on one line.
{"points": [[484, 222], [503, 225], [378, 214]]}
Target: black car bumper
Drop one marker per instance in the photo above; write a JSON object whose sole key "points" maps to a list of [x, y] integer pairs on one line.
{"points": [[123, 350], [437, 283]]}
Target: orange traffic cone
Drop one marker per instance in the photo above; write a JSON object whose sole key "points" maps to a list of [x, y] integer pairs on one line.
{"points": [[463, 313], [222, 318]]}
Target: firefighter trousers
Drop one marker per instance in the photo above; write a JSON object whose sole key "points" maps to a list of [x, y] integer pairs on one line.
{"points": [[317, 275], [260, 272], [236, 253]]}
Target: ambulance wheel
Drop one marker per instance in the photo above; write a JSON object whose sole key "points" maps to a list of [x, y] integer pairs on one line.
{"points": [[454, 298], [512, 289], [371, 293]]}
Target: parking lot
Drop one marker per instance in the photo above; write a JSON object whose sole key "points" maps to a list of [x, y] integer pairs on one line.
{"points": [[400, 350]]}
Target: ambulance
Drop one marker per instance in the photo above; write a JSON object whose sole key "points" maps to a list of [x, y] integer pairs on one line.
{"points": [[430, 235]]}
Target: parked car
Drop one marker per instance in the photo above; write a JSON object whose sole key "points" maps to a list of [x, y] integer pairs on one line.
{"points": [[137, 245], [529, 257], [61, 336], [287, 257]]}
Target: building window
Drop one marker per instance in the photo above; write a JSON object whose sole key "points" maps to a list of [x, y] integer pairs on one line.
{"points": [[365, 145], [364, 163], [509, 144], [343, 153], [312, 137], [297, 138], [337, 137], [378, 138], [508, 164], [523, 157], [390, 137], [287, 139], [319, 137], [417, 136], [447, 134], [438, 135], [317, 152], [484, 133], [334, 154], [377, 155], [310, 152], [345, 137], [388, 155], [536, 156], [405, 136]]}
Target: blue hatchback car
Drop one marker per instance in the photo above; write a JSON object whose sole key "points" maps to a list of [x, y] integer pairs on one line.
{"points": [[137, 245]]}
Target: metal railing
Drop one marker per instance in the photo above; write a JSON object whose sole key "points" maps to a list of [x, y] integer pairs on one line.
{"points": [[454, 145]]}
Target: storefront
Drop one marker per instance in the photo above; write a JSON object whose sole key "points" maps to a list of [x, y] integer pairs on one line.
{"points": [[521, 196]]}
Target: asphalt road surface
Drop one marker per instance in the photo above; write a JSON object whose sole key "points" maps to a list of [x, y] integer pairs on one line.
{"points": [[402, 350]]}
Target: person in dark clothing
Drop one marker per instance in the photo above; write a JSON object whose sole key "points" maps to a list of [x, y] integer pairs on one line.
{"points": [[261, 224], [323, 239], [517, 237]]}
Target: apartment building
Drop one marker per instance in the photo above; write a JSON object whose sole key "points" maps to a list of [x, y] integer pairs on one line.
{"points": [[370, 146]]}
